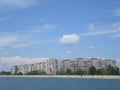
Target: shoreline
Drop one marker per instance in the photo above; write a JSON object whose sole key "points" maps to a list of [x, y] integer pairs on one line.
{"points": [[65, 76]]}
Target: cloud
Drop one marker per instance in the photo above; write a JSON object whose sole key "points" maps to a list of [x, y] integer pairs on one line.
{"points": [[17, 3], [14, 41], [103, 30], [69, 52], [7, 62], [70, 39], [116, 12], [44, 28], [23, 44], [91, 47]]}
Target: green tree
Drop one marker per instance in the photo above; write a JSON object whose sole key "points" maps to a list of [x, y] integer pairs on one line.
{"points": [[99, 72], [36, 73], [61, 73], [32, 73], [68, 72], [92, 70], [19, 73], [116, 70], [5, 73], [109, 70], [41, 72], [79, 72]]}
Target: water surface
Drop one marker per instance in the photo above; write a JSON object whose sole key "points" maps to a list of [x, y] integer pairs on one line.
{"points": [[58, 84]]}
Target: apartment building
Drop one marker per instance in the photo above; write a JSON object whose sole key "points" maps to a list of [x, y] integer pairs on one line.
{"points": [[118, 67], [80, 63], [50, 66], [66, 64], [14, 70], [73, 66], [53, 65], [107, 62], [96, 62], [99, 63]]}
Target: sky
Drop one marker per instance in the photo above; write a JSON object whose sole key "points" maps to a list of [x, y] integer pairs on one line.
{"points": [[34, 29]]}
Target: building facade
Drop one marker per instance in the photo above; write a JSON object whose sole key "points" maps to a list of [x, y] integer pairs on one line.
{"points": [[53, 66]]}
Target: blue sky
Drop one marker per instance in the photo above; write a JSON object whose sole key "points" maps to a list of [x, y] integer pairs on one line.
{"points": [[60, 28]]}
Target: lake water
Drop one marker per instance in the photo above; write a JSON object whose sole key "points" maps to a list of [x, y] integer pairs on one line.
{"points": [[58, 84]]}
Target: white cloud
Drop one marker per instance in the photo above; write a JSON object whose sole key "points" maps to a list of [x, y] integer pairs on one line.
{"points": [[116, 12], [23, 44], [7, 62], [69, 52], [13, 41], [44, 28], [91, 47], [17, 3], [70, 39], [103, 30], [92, 28]]}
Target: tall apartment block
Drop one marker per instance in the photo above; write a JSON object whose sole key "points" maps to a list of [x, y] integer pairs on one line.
{"points": [[53, 66]]}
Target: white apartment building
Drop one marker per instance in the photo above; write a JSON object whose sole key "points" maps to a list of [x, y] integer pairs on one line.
{"points": [[53, 66], [14, 70], [66, 64], [96, 62], [50, 66], [107, 62]]}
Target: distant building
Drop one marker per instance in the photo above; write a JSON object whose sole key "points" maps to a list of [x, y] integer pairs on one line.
{"points": [[118, 67], [80, 63], [53, 66], [66, 64], [107, 62], [73, 66], [14, 70], [96, 62], [22, 69], [50, 66]]}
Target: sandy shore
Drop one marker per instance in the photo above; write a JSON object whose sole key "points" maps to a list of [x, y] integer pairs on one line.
{"points": [[65, 76]]}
